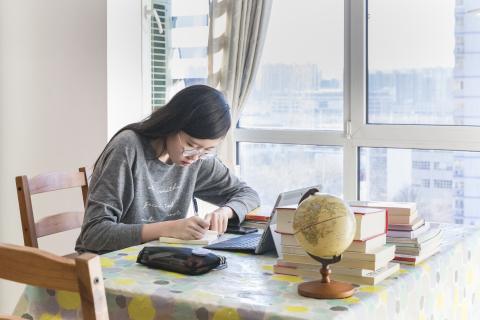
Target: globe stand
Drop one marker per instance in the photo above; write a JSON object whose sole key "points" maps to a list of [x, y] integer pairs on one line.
{"points": [[326, 288]]}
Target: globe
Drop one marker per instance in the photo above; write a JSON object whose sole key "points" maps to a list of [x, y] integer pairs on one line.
{"points": [[324, 225]]}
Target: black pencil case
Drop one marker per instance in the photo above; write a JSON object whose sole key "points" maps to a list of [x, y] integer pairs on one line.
{"points": [[181, 260]]}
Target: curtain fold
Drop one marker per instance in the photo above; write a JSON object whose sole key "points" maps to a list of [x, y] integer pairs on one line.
{"points": [[237, 32]]}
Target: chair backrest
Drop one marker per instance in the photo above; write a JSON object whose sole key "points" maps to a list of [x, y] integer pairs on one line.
{"points": [[54, 223], [43, 269]]}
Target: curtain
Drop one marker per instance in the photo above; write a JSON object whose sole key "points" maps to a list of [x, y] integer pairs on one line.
{"points": [[237, 32]]}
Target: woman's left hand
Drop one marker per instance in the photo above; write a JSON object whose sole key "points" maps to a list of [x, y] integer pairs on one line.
{"points": [[218, 219]]}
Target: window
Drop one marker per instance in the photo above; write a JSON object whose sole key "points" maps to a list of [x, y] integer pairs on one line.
{"points": [[458, 171], [270, 167], [397, 180], [294, 101], [159, 54], [442, 184], [382, 105], [459, 204], [406, 122], [420, 69], [441, 165], [399, 116], [179, 53], [300, 81], [459, 189], [423, 165], [408, 84], [425, 183]]}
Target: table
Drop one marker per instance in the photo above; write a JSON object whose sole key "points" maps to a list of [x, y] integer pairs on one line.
{"points": [[447, 286]]}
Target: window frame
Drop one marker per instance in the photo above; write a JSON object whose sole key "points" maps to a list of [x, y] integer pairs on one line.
{"points": [[357, 132]]}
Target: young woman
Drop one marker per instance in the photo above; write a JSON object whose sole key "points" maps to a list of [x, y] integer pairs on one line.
{"points": [[146, 176]]}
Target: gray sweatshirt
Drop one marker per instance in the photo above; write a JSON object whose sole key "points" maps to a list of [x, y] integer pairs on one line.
{"points": [[131, 187]]}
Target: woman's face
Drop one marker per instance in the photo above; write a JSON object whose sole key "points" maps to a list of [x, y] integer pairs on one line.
{"points": [[185, 150]]}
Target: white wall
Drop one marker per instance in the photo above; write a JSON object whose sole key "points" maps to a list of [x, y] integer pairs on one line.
{"points": [[53, 99], [127, 98]]}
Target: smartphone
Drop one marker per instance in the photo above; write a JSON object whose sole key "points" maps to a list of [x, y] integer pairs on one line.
{"points": [[240, 230]]}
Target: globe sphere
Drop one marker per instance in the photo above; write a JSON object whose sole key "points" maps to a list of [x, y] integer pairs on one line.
{"points": [[324, 225]]}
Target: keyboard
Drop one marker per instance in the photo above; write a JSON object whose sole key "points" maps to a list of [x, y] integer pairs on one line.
{"points": [[247, 242]]}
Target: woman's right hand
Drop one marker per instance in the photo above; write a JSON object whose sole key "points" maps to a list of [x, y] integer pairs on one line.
{"points": [[188, 228]]}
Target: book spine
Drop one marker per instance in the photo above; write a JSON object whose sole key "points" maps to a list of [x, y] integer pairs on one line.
{"points": [[369, 238], [256, 218], [386, 220], [404, 259]]}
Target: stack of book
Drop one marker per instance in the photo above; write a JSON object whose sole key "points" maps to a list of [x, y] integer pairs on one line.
{"points": [[414, 238], [368, 260]]}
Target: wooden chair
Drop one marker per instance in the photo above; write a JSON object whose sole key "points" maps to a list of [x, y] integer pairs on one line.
{"points": [[55, 223], [43, 269]]}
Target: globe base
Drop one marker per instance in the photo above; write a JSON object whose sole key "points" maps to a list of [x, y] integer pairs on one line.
{"points": [[321, 290]]}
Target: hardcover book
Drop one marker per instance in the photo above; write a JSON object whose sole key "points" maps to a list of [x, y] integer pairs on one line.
{"points": [[358, 276], [408, 234], [406, 219], [371, 222], [422, 238], [368, 245], [367, 261], [415, 224], [393, 208], [413, 259]]}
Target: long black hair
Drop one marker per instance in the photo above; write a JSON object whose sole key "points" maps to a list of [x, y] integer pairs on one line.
{"points": [[199, 110]]}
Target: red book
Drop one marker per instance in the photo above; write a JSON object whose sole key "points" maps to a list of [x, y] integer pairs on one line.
{"points": [[256, 215]]}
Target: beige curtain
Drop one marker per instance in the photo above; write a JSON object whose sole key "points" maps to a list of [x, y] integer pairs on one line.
{"points": [[237, 32]]}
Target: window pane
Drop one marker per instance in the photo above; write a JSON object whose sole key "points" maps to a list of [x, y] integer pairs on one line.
{"points": [[188, 60], [273, 168], [300, 80], [179, 54], [159, 43], [444, 184], [424, 62]]}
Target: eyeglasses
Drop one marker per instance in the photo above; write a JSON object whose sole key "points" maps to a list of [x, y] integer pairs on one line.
{"points": [[200, 152]]}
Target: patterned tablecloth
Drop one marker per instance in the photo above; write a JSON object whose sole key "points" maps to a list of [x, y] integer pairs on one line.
{"points": [[447, 286]]}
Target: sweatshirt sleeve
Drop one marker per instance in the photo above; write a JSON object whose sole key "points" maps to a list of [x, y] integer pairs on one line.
{"points": [[216, 184], [110, 195]]}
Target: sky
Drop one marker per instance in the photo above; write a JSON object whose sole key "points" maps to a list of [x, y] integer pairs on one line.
{"points": [[403, 34]]}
